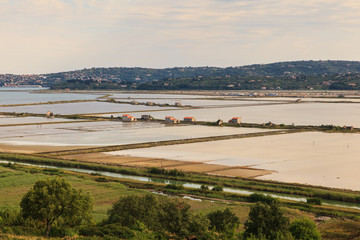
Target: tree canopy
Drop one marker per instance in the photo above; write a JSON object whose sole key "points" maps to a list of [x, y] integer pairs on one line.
{"points": [[304, 229], [267, 221], [55, 200]]}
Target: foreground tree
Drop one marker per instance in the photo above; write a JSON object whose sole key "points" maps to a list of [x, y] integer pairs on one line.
{"points": [[267, 221], [224, 221], [168, 217], [54, 200], [304, 229]]}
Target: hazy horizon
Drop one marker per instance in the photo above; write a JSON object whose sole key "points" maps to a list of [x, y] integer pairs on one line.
{"points": [[48, 36]]}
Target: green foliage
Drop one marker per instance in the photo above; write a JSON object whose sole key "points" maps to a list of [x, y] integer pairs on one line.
{"points": [[54, 200], [175, 186], [128, 210], [304, 229], [102, 179], [162, 171], [225, 222], [314, 201], [161, 214], [267, 220], [332, 75], [217, 188], [257, 197], [204, 187]]}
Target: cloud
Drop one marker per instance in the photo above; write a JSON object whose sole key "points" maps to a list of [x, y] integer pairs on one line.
{"points": [[70, 34]]}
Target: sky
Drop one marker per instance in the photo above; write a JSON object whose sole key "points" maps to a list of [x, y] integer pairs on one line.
{"points": [[44, 36]]}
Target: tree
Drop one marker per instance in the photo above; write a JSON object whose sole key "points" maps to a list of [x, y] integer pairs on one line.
{"points": [[224, 221], [128, 210], [160, 214], [304, 229], [267, 221], [54, 200]]}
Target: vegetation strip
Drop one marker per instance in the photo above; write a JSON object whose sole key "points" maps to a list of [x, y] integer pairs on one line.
{"points": [[163, 143], [251, 184], [205, 194]]}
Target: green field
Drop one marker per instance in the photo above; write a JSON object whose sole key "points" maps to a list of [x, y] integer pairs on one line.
{"points": [[16, 180]]}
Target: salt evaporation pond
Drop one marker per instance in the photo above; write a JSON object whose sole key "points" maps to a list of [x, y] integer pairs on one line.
{"points": [[31, 95], [5, 120], [325, 159], [109, 133], [309, 99], [338, 114], [81, 108]]}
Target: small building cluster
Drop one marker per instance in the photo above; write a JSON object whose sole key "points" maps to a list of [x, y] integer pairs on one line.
{"points": [[171, 120], [348, 127], [235, 120], [189, 119], [50, 114], [128, 118]]}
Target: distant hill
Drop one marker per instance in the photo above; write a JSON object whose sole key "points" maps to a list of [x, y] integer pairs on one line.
{"points": [[295, 68], [282, 75]]}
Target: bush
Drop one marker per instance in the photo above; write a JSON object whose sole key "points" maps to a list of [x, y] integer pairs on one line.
{"points": [[162, 171], [257, 197], [304, 229], [175, 172], [217, 188], [155, 170], [102, 179], [204, 187], [175, 186], [314, 201]]}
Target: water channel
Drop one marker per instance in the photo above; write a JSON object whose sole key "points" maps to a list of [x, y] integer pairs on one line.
{"points": [[189, 185]]}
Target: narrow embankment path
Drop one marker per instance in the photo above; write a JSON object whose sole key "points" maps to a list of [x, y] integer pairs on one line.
{"points": [[166, 143]]}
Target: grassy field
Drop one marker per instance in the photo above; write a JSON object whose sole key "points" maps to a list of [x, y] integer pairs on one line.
{"points": [[251, 184], [15, 181]]}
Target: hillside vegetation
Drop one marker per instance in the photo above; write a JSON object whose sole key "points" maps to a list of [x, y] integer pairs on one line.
{"points": [[303, 75], [333, 75]]}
